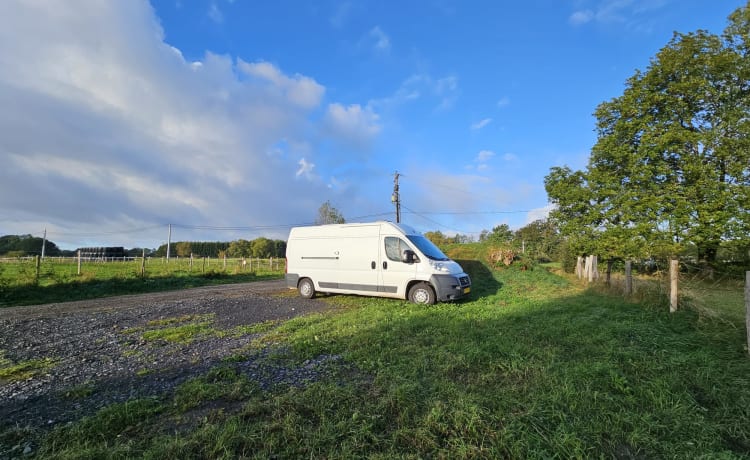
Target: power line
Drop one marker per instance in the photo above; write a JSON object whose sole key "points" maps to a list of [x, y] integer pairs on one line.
{"points": [[471, 212], [438, 223]]}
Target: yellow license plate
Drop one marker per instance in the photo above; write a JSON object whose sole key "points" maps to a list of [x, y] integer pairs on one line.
{"points": [[467, 290]]}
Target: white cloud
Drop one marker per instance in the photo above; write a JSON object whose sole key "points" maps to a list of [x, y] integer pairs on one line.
{"points": [[215, 13], [503, 102], [305, 169], [634, 14], [353, 126], [485, 155], [105, 126], [481, 124], [300, 90], [382, 41], [447, 89], [539, 213], [340, 14], [510, 157], [581, 17]]}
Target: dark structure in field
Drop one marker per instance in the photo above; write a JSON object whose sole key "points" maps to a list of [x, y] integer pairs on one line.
{"points": [[115, 252]]}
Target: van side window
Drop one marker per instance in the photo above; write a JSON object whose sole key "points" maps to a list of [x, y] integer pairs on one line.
{"points": [[394, 247]]}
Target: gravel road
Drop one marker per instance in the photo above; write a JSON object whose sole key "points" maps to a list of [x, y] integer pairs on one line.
{"points": [[97, 355]]}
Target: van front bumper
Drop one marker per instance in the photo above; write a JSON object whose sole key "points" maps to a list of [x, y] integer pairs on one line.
{"points": [[451, 287]]}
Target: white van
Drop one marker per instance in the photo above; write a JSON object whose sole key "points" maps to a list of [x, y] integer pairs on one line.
{"points": [[378, 259]]}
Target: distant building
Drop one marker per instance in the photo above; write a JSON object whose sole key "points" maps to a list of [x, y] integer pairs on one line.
{"points": [[100, 253]]}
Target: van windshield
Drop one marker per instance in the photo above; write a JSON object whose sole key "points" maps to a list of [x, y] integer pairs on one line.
{"points": [[427, 247]]}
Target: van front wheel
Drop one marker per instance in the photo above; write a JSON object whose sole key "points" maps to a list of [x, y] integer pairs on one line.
{"points": [[422, 293], [306, 288]]}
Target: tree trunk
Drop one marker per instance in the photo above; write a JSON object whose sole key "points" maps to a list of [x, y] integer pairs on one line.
{"points": [[610, 262], [707, 259]]}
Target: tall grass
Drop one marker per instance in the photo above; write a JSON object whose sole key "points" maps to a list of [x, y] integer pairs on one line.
{"points": [[533, 366]]}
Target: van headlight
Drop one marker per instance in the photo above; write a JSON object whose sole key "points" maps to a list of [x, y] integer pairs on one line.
{"points": [[439, 266]]}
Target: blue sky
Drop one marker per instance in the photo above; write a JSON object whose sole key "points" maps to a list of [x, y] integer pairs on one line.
{"points": [[236, 119]]}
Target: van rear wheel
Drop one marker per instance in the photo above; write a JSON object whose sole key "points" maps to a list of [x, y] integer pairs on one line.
{"points": [[422, 293], [306, 288]]}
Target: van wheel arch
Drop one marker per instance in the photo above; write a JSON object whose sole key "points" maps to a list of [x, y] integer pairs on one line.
{"points": [[421, 293], [306, 288]]}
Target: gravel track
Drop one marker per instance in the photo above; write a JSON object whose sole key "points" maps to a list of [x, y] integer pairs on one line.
{"points": [[98, 354]]}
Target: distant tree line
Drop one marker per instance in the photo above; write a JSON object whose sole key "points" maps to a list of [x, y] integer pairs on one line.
{"points": [[540, 240], [259, 247], [27, 245]]}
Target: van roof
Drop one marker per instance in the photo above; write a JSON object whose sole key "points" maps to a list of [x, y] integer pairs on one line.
{"points": [[406, 229]]}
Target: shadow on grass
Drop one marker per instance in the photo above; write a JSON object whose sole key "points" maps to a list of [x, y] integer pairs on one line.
{"points": [[92, 289], [483, 283]]}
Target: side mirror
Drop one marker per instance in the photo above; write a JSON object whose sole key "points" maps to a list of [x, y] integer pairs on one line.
{"points": [[408, 257]]}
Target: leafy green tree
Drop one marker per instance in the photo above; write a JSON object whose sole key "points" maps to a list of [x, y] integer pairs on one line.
{"points": [[262, 247], [540, 239], [240, 248], [670, 166], [183, 248], [279, 248], [437, 237], [27, 245], [327, 214], [499, 234]]}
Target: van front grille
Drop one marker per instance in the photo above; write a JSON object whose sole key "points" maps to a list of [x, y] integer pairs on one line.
{"points": [[464, 280]]}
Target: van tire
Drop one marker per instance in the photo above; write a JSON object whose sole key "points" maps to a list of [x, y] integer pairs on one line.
{"points": [[306, 288], [422, 293]]}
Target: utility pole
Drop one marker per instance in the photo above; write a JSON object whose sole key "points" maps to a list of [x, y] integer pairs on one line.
{"points": [[169, 240], [44, 242], [395, 197]]}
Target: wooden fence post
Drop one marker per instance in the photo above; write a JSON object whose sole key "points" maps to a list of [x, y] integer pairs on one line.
{"points": [[191, 261], [579, 267], [628, 278], [143, 264], [747, 309], [79, 262], [37, 263], [225, 262], [594, 275], [674, 274]]}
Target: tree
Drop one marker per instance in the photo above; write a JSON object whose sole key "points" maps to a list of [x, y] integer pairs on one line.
{"points": [[183, 248], [262, 247], [500, 234], [670, 165], [437, 237], [327, 214], [540, 239], [240, 248], [27, 245]]}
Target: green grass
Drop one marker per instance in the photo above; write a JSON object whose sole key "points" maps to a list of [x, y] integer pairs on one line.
{"points": [[23, 370], [532, 366], [59, 281]]}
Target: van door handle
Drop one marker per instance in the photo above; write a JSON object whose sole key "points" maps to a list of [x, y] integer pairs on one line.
{"points": [[385, 265], [372, 265]]}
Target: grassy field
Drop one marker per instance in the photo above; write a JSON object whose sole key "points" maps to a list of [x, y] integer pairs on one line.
{"points": [[59, 281], [533, 366]]}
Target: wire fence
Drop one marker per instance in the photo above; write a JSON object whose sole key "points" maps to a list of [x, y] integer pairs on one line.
{"points": [[22, 271]]}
